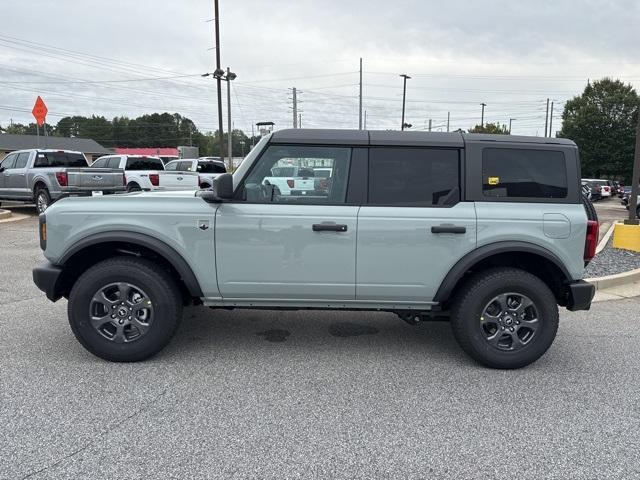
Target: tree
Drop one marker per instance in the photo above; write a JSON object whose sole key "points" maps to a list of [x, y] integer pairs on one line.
{"points": [[490, 128], [602, 122]]}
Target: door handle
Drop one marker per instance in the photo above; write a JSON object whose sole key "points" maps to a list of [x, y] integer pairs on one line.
{"points": [[448, 229], [329, 227]]}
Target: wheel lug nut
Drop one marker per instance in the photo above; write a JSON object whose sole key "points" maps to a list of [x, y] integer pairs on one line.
{"points": [[129, 318], [517, 322], [502, 328], [511, 329], [120, 321], [113, 316]]}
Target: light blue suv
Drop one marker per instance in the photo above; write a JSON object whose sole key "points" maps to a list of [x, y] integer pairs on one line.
{"points": [[488, 231]]}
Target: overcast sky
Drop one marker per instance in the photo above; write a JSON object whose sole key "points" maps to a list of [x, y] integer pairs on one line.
{"points": [[147, 56]]}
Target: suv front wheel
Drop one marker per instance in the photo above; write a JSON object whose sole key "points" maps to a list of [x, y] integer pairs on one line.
{"points": [[124, 309], [505, 318]]}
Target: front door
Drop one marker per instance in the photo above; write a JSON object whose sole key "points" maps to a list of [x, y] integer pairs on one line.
{"points": [[272, 245], [414, 227]]}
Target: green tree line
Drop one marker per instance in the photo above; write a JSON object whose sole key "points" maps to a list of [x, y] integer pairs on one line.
{"points": [[152, 130]]}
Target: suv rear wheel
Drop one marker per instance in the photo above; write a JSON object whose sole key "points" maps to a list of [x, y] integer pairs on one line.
{"points": [[505, 318], [124, 309]]}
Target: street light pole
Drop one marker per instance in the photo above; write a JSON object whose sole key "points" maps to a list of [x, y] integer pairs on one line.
{"points": [[404, 96], [635, 179], [482, 117], [511, 120], [218, 79]]}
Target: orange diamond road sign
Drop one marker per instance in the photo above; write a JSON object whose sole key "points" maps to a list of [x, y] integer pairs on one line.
{"points": [[40, 111]]}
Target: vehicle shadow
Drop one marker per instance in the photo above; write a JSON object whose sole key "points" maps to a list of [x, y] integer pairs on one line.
{"points": [[205, 331]]}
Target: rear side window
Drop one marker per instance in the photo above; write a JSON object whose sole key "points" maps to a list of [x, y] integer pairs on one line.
{"points": [[60, 159], [523, 173], [144, 163], [22, 160], [414, 176]]}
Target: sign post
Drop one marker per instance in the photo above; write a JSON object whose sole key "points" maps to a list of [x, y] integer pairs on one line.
{"points": [[40, 114]]}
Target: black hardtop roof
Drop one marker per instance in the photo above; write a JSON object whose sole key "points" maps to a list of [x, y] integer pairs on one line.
{"points": [[397, 137]]}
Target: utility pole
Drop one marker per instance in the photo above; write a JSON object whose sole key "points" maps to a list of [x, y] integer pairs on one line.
{"points": [[360, 99], [218, 79], [404, 96], [365, 119], [546, 119], [448, 118], [295, 108], [511, 120], [635, 179], [551, 121], [482, 116], [299, 120], [429, 124], [230, 130]]}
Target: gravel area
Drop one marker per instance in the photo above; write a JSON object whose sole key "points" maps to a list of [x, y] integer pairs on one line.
{"points": [[612, 260]]}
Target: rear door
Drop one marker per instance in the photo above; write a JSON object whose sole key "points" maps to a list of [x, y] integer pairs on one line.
{"points": [[17, 183], [414, 227], [271, 246], [7, 165]]}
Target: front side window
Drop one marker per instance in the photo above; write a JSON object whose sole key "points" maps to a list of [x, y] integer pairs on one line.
{"points": [[414, 176], [285, 174], [144, 163], [9, 161], [523, 173], [171, 166]]}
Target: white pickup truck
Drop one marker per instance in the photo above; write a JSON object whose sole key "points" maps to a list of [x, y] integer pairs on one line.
{"points": [[207, 169], [292, 180], [148, 173]]}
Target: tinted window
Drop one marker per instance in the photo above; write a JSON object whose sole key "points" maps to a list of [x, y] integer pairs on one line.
{"points": [[22, 160], [171, 166], [413, 176], [100, 163], [60, 159], [511, 172], [144, 163], [9, 161], [262, 186], [211, 167]]}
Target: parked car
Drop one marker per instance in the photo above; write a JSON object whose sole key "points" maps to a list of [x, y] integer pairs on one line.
{"points": [[596, 190], [604, 186], [207, 170], [291, 179], [616, 187], [146, 173], [44, 176], [586, 190], [489, 230], [168, 158]]}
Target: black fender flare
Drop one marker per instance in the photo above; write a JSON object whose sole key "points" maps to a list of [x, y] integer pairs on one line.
{"points": [[143, 240], [472, 258]]}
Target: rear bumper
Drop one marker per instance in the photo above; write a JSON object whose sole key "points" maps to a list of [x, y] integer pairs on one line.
{"points": [[46, 276], [580, 295]]}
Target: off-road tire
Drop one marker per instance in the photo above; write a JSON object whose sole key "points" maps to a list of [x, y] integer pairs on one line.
{"points": [[161, 290], [470, 303]]}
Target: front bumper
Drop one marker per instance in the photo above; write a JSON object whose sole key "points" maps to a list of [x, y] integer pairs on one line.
{"points": [[580, 295], [46, 276]]}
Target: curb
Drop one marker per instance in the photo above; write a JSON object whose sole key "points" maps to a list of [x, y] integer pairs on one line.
{"points": [[616, 280], [4, 214]]}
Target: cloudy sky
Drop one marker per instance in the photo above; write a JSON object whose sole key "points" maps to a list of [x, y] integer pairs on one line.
{"points": [[129, 58]]}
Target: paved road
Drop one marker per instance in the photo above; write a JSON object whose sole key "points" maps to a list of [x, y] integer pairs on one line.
{"points": [[609, 211], [309, 395]]}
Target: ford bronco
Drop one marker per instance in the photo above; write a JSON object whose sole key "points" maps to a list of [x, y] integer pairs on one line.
{"points": [[488, 231]]}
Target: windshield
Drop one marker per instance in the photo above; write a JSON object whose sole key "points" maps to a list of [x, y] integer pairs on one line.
{"points": [[60, 159]]}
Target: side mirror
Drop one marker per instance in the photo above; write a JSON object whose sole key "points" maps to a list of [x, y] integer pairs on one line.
{"points": [[223, 186], [222, 189], [1, 169]]}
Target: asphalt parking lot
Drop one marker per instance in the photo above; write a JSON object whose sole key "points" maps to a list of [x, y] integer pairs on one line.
{"points": [[264, 394]]}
